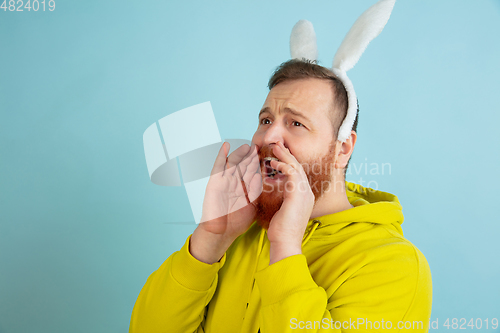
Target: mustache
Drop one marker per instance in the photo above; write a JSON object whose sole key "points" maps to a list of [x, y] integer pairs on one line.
{"points": [[265, 151]]}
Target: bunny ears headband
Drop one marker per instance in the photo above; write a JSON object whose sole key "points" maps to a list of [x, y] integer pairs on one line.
{"points": [[368, 26]]}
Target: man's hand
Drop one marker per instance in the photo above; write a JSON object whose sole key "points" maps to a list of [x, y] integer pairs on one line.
{"points": [[288, 225], [235, 182]]}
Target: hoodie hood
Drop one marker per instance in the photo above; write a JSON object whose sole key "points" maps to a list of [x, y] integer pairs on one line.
{"points": [[370, 206]]}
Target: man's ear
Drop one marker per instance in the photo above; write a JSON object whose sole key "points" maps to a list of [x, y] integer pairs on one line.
{"points": [[345, 150]]}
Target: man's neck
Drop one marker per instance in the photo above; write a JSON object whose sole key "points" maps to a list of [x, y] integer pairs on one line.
{"points": [[331, 202]]}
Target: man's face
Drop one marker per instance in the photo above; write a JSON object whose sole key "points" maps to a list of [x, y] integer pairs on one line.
{"points": [[295, 113]]}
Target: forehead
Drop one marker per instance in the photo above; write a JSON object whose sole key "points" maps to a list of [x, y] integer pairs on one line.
{"points": [[310, 96]]}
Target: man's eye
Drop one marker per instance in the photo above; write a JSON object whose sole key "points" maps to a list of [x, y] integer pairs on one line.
{"points": [[296, 123], [265, 121]]}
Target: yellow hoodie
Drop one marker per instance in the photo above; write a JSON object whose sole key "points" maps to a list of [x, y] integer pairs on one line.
{"points": [[356, 273]]}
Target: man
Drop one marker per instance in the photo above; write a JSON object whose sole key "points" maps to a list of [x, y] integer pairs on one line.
{"points": [[298, 248]]}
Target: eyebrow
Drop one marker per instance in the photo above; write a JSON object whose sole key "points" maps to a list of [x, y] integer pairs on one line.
{"points": [[286, 110]]}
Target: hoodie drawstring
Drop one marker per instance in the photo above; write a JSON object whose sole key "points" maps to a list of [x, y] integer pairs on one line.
{"points": [[316, 224]]}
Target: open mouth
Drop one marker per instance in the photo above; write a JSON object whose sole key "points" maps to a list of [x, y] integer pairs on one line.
{"points": [[269, 171]]}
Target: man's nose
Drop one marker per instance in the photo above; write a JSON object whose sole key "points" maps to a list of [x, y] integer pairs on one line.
{"points": [[274, 134]]}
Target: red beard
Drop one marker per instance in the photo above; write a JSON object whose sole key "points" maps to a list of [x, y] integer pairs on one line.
{"points": [[319, 174]]}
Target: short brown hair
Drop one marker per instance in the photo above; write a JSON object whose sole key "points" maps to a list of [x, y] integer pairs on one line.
{"points": [[296, 69]]}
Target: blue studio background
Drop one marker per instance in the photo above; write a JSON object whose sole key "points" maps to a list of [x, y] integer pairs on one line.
{"points": [[81, 224]]}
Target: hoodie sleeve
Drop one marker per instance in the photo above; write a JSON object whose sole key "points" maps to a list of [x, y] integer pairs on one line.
{"points": [[393, 290], [175, 296]]}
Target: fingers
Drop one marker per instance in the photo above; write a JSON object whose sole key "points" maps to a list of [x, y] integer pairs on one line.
{"points": [[284, 155], [254, 187], [245, 170], [225, 164], [283, 167], [235, 158], [241, 167], [250, 163], [220, 160], [251, 169], [243, 185], [297, 182]]}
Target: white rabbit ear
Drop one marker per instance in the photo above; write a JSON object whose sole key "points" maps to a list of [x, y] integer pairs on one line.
{"points": [[303, 41], [368, 26]]}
